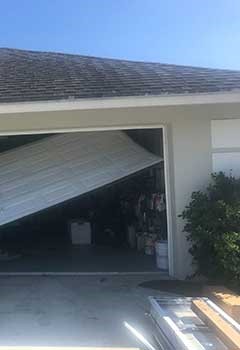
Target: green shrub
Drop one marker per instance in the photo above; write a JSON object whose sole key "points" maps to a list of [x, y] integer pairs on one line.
{"points": [[212, 224]]}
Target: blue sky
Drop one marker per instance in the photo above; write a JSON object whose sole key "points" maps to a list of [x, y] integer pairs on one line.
{"points": [[191, 32]]}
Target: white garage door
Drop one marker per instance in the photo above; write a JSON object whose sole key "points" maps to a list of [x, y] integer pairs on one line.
{"points": [[226, 146], [53, 170]]}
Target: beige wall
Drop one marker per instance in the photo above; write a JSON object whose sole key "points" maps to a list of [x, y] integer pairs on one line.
{"points": [[188, 141]]}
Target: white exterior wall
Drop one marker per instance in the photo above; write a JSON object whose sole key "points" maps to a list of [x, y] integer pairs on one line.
{"points": [[188, 143]]}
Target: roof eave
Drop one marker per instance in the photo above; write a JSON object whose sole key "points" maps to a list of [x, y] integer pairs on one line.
{"points": [[120, 102]]}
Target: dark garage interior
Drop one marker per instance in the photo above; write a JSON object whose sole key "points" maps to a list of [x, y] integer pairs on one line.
{"points": [[119, 223]]}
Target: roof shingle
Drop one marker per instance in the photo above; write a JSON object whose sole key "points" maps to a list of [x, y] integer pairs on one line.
{"points": [[40, 76]]}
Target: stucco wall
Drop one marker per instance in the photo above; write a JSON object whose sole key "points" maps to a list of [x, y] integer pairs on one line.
{"points": [[188, 143]]}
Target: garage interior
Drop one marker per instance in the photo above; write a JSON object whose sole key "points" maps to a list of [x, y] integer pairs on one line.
{"points": [[110, 228]]}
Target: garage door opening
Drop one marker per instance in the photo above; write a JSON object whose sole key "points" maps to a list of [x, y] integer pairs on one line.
{"points": [[108, 215]]}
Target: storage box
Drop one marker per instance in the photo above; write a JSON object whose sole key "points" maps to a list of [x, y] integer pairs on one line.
{"points": [[80, 232]]}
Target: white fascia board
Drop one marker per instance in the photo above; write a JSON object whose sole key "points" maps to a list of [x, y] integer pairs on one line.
{"points": [[120, 102]]}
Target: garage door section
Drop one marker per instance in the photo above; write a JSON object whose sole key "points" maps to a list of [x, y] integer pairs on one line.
{"points": [[58, 168], [226, 146]]}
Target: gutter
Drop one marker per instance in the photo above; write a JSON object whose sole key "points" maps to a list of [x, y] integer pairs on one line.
{"points": [[120, 102]]}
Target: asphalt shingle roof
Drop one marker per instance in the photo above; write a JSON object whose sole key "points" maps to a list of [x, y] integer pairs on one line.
{"points": [[41, 76]]}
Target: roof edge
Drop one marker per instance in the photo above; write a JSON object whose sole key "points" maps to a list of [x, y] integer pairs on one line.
{"points": [[117, 59], [120, 102]]}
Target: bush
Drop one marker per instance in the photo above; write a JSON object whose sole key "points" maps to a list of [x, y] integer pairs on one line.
{"points": [[213, 228]]}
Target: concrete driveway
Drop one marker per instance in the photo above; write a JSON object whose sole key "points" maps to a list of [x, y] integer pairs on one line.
{"points": [[73, 310]]}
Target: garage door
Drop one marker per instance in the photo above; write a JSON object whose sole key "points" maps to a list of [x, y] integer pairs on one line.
{"points": [[226, 146], [53, 170]]}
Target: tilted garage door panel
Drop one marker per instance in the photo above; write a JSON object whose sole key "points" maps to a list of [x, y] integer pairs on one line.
{"points": [[58, 168]]}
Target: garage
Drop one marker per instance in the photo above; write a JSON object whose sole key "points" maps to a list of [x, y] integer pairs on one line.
{"points": [[84, 202], [43, 95]]}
